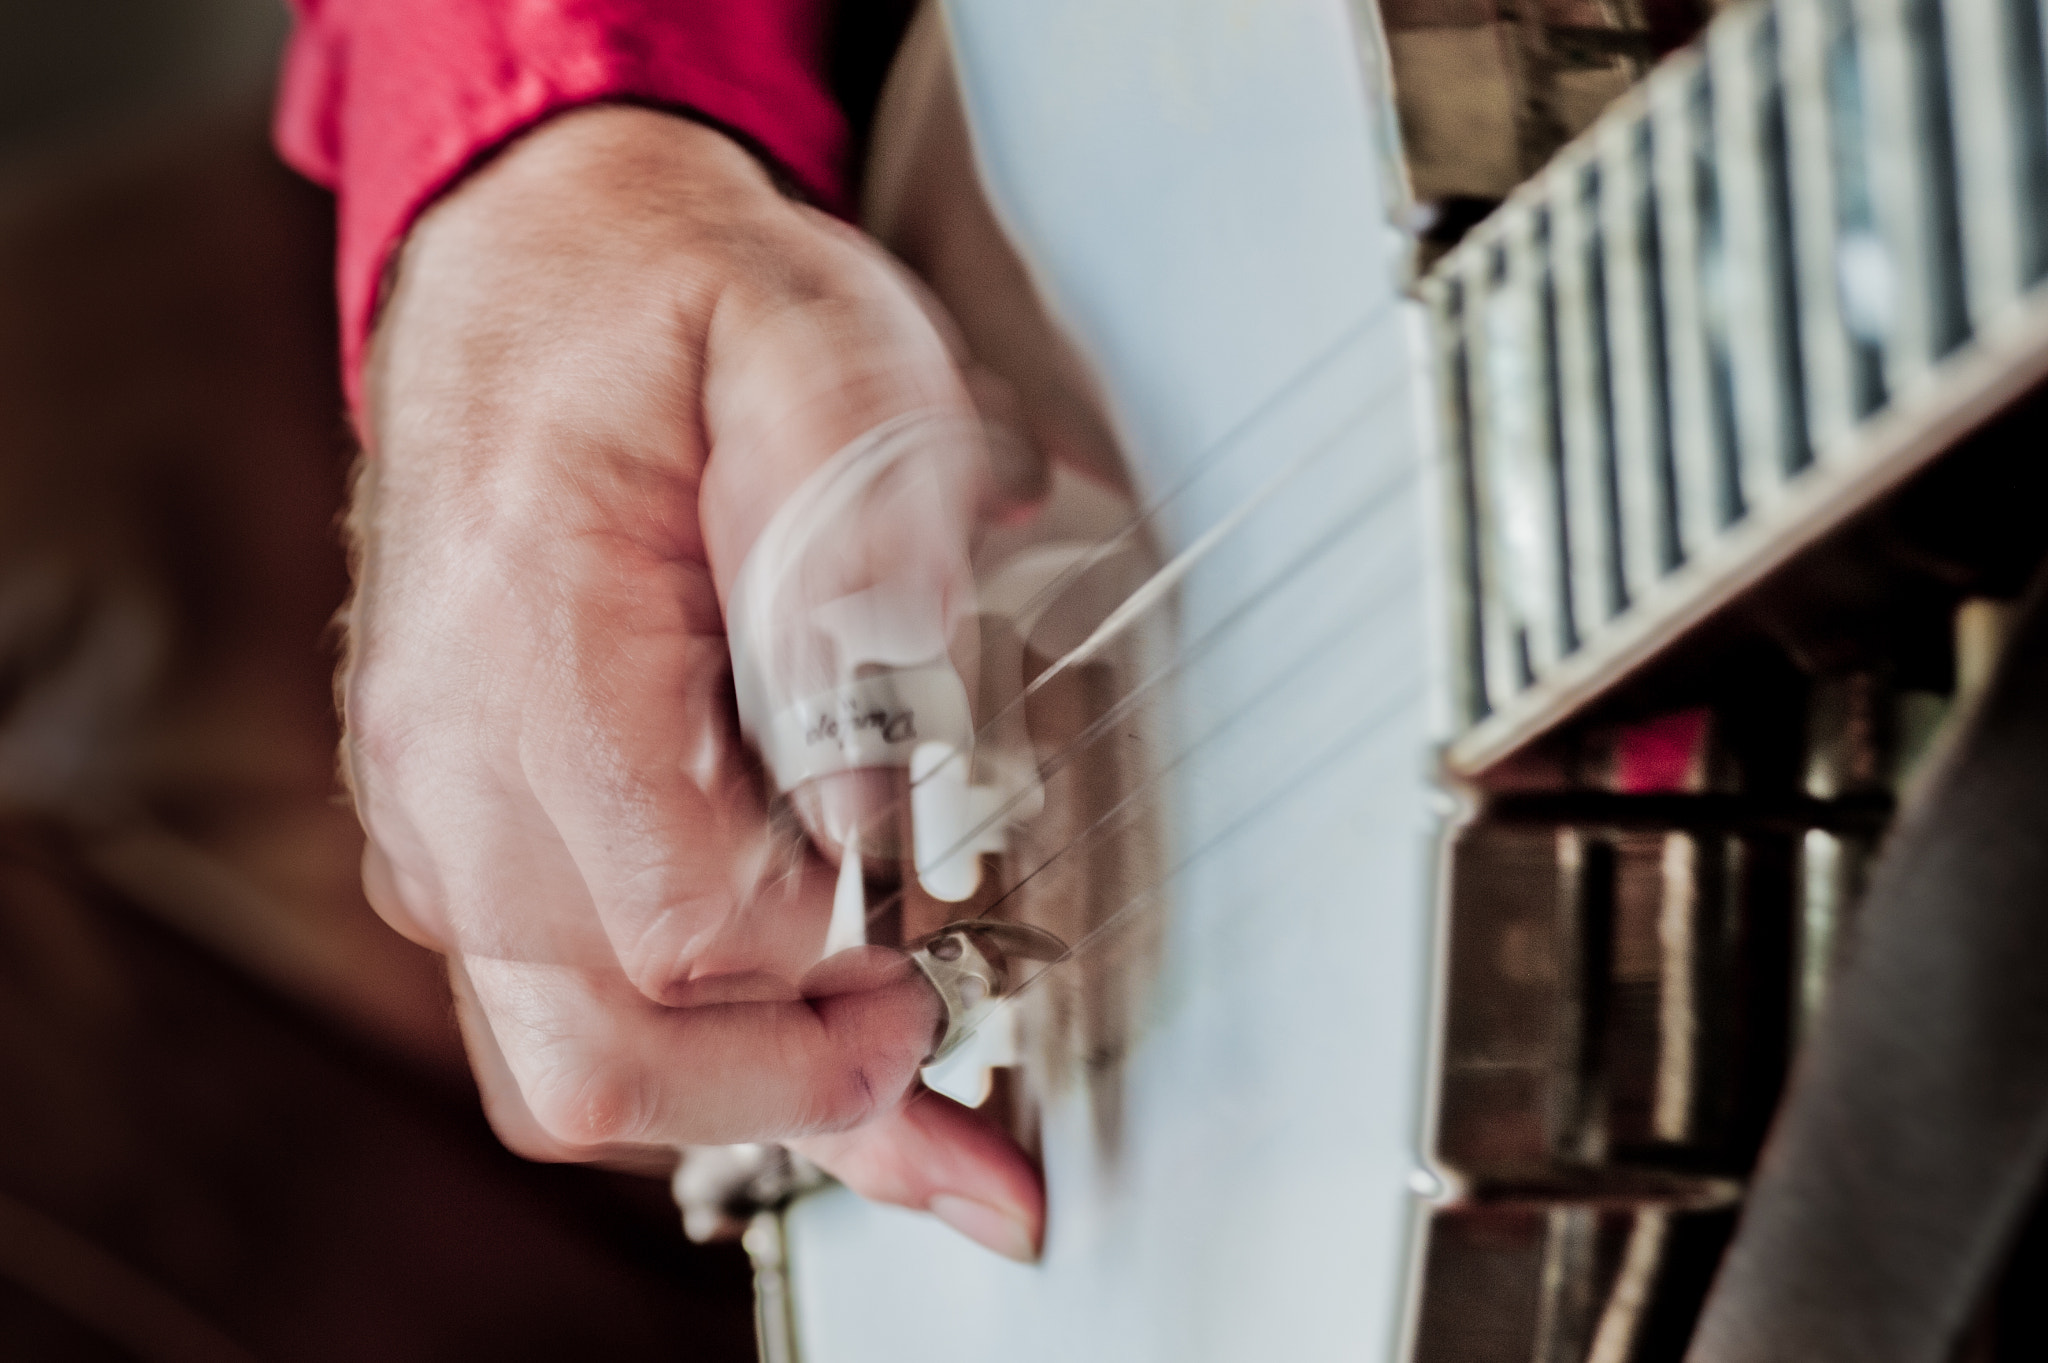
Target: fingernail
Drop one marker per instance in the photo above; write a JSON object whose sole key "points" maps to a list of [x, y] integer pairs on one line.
{"points": [[986, 1226], [856, 810]]}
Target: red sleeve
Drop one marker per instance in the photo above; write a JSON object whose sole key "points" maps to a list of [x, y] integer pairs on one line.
{"points": [[386, 101]]}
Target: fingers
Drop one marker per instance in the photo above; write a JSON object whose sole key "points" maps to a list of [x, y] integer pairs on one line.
{"points": [[923, 1151], [461, 860], [543, 749], [850, 564], [585, 420], [797, 368], [636, 759], [597, 1065], [393, 899], [504, 1106], [934, 1155]]}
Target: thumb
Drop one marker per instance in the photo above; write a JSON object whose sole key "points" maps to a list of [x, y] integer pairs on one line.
{"points": [[803, 362], [846, 476], [934, 1155]]}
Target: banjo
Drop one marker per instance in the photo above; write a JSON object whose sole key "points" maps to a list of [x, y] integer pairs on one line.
{"points": [[1539, 562], [1224, 1071]]}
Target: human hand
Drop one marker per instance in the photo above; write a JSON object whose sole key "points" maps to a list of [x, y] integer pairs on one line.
{"points": [[607, 359]]}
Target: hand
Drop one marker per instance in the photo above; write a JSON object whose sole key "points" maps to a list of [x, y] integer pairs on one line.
{"points": [[607, 358]]}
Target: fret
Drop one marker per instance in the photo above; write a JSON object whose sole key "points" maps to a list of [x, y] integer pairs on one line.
{"points": [[1917, 294], [1496, 399], [1636, 353], [1995, 80], [1458, 490], [1832, 366], [1585, 415], [1688, 249], [1794, 315], [1757, 337], [1523, 461]]}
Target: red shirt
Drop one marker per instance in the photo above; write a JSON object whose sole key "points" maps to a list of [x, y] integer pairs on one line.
{"points": [[387, 101]]}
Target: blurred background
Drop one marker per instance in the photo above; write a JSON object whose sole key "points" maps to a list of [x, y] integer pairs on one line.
{"points": [[235, 1120], [69, 72]]}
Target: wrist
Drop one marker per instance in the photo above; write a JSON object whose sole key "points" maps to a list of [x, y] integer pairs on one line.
{"points": [[562, 188], [592, 215], [620, 148], [599, 167]]}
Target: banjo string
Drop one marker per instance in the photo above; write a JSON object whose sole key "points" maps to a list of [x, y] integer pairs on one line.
{"points": [[1277, 795], [1290, 673], [1294, 669], [1207, 461], [1369, 503]]}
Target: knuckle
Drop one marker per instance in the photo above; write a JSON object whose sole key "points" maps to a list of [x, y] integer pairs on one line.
{"points": [[517, 1131], [872, 1060], [844, 1098], [601, 1104], [791, 263], [818, 273], [526, 1143], [413, 905], [380, 728]]}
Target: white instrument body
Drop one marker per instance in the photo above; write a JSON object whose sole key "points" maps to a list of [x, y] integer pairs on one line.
{"points": [[1199, 185]]}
